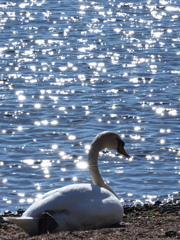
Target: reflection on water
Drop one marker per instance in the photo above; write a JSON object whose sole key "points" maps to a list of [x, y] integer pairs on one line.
{"points": [[69, 72]]}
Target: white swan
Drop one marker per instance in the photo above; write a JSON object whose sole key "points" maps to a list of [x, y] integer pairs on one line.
{"points": [[77, 206]]}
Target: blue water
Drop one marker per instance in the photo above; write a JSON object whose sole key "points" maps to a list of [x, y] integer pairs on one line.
{"points": [[69, 70]]}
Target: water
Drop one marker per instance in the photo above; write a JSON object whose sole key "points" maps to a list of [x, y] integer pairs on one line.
{"points": [[71, 70]]}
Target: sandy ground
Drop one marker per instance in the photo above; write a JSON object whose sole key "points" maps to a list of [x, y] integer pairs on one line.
{"points": [[157, 221]]}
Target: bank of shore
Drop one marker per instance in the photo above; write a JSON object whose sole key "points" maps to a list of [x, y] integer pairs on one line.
{"points": [[158, 221]]}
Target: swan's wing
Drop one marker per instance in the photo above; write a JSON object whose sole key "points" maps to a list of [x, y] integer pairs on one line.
{"points": [[59, 200]]}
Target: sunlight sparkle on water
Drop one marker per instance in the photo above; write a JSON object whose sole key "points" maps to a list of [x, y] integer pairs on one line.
{"points": [[22, 200], [136, 137], [62, 108], [62, 153], [71, 137], [37, 123], [4, 180], [21, 97], [1, 163], [46, 163], [54, 122], [82, 165], [162, 141], [151, 157], [21, 194], [54, 146], [63, 169], [130, 194], [74, 179], [44, 122], [87, 148], [19, 128], [38, 186], [23, 5], [137, 128], [172, 112], [37, 105], [28, 161], [160, 111]]}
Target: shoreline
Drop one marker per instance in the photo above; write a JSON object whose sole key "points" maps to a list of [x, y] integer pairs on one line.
{"points": [[156, 221]]}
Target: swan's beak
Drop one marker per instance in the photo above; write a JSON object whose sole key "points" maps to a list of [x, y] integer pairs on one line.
{"points": [[122, 151]]}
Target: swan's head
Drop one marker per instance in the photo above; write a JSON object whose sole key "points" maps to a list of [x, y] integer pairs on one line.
{"points": [[109, 140]]}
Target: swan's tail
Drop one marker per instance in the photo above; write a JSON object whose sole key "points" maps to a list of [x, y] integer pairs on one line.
{"points": [[28, 224]]}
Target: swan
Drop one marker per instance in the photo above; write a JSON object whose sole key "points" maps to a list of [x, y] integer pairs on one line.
{"points": [[77, 206]]}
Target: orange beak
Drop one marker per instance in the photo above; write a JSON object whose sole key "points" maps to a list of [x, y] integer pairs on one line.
{"points": [[122, 151]]}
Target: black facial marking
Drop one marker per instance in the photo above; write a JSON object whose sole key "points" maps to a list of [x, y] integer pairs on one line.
{"points": [[120, 142]]}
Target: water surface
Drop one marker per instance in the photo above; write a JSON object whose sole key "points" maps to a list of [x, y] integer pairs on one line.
{"points": [[70, 71]]}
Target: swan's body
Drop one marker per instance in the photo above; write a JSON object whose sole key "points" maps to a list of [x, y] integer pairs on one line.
{"points": [[77, 206]]}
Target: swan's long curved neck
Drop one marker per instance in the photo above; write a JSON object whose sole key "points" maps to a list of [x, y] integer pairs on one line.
{"points": [[94, 170]]}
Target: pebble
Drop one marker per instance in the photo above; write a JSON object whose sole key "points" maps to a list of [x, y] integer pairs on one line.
{"points": [[170, 233]]}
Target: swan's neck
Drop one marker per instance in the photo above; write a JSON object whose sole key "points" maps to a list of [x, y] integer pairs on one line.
{"points": [[94, 170]]}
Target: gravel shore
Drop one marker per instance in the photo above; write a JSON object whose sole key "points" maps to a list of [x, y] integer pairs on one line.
{"points": [[158, 221]]}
